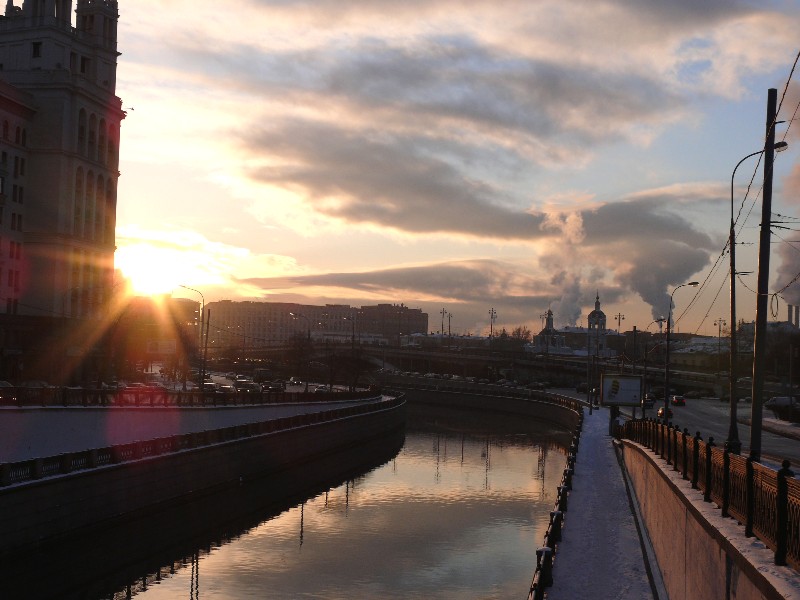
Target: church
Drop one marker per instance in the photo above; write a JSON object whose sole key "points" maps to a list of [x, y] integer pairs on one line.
{"points": [[593, 340]]}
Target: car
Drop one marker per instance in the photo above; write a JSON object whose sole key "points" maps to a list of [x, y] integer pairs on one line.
{"points": [[678, 400], [321, 389], [248, 387], [786, 408], [661, 413], [226, 388], [649, 401]]}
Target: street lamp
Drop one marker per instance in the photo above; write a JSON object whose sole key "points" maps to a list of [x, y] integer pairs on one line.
{"points": [[660, 321], [200, 340], [308, 326], [720, 323], [666, 365], [733, 444]]}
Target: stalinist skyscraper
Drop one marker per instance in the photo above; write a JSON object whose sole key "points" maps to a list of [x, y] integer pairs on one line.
{"points": [[60, 157]]}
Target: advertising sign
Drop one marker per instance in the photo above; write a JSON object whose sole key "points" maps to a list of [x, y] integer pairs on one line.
{"points": [[621, 390]]}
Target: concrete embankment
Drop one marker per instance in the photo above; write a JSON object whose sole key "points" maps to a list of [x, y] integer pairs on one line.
{"points": [[43, 510], [700, 554], [27, 433], [544, 408]]}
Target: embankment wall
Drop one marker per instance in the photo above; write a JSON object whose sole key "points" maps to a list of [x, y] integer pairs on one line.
{"points": [[40, 511], [695, 556]]}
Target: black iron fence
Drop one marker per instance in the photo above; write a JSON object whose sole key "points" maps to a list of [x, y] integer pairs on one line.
{"points": [[155, 396], [38, 468], [765, 501], [543, 574]]}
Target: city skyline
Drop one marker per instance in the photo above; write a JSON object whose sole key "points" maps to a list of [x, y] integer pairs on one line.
{"points": [[502, 156]]}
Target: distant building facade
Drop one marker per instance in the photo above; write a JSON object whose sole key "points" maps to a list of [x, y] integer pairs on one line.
{"points": [[252, 325]]}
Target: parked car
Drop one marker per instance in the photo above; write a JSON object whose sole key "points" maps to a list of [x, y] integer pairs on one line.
{"points": [[678, 400], [786, 408]]}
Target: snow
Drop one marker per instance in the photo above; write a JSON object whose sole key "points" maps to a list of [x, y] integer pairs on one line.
{"points": [[600, 555]]}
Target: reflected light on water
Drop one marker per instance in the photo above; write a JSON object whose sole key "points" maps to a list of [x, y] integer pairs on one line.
{"points": [[450, 516]]}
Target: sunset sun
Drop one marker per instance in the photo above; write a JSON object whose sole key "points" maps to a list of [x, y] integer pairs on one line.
{"points": [[151, 270]]}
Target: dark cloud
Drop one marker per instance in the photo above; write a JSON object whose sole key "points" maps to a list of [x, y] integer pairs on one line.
{"points": [[387, 181]]}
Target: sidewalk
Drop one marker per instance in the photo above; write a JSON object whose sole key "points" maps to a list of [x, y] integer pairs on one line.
{"points": [[601, 555]]}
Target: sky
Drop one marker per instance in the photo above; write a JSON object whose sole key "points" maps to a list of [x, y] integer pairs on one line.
{"points": [[514, 156]]}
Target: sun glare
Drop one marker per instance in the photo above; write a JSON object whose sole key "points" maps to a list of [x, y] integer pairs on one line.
{"points": [[151, 270]]}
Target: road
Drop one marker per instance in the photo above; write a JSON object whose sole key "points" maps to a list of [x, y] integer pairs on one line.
{"points": [[710, 418]]}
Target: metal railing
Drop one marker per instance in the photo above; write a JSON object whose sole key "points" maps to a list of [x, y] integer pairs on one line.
{"points": [[543, 574], [152, 397], [765, 501], [39, 468]]}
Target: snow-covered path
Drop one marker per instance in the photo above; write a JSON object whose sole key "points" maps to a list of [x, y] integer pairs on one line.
{"points": [[601, 555]]}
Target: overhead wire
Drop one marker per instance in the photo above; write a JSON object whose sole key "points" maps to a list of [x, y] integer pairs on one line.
{"points": [[738, 221]]}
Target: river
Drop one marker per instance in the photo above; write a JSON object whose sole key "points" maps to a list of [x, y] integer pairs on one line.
{"points": [[455, 510]]}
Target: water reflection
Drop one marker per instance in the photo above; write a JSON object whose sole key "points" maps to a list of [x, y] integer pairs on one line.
{"points": [[458, 512]]}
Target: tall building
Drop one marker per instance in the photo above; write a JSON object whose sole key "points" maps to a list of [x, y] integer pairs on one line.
{"points": [[60, 157]]}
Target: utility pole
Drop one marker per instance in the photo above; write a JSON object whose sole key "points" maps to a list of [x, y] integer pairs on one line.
{"points": [[492, 317], [619, 317], [443, 313], [759, 344]]}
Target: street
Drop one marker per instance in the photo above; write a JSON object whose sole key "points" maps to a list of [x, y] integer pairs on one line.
{"points": [[710, 418]]}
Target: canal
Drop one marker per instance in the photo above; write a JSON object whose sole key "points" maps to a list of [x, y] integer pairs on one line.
{"points": [[456, 509]]}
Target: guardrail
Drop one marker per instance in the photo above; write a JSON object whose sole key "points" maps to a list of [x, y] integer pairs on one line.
{"points": [[543, 574], [765, 501], [39, 468], [151, 397], [487, 389]]}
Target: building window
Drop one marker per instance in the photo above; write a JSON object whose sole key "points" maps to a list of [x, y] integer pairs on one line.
{"points": [[84, 65], [36, 49]]}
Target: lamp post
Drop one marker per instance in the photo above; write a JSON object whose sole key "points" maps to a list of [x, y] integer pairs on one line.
{"points": [[733, 444], [660, 321], [200, 339], [308, 337], [720, 323], [666, 364]]}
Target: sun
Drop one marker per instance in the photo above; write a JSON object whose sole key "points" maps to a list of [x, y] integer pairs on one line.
{"points": [[151, 270]]}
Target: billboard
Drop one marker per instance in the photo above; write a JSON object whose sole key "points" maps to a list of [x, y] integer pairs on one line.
{"points": [[621, 390]]}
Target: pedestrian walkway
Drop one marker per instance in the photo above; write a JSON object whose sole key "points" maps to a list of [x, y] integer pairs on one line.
{"points": [[601, 554]]}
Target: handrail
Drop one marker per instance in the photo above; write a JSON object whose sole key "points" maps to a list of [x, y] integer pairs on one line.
{"points": [[765, 501], [39, 468], [543, 573], [153, 397]]}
